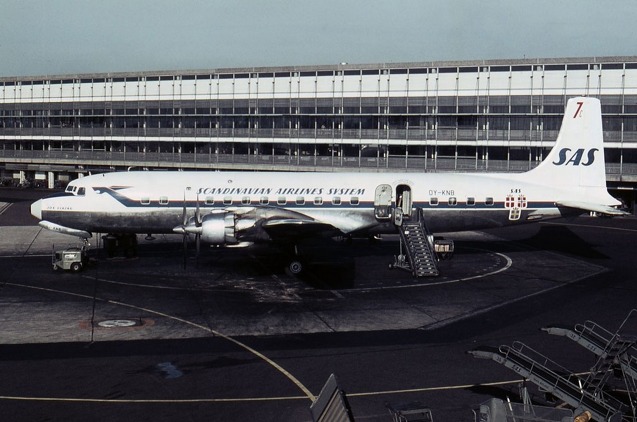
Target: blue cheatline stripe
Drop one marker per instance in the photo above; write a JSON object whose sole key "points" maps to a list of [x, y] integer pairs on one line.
{"points": [[425, 205]]}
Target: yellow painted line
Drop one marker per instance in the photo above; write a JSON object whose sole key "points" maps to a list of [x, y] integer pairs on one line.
{"points": [[261, 399], [244, 346], [150, 401]]}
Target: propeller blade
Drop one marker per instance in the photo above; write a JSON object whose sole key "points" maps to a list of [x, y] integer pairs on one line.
{"points": [[184, 216], [198, 246], [198, 219], [185, 243], [184, 219]]}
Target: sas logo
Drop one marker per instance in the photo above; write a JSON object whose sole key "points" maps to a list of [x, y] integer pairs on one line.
{"points": [[567, 156]]}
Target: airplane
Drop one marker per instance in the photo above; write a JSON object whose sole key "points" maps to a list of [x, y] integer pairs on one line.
{"points": [[230, 208]]}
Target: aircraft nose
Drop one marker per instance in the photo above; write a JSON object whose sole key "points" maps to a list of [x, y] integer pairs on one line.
{"points": [[36, 209]]}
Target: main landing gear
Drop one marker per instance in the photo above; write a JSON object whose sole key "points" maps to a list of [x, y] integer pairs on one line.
{"points": [[295, 265]]}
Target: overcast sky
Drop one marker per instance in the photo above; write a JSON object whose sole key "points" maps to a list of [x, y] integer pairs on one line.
{"points": [[47, 37]]}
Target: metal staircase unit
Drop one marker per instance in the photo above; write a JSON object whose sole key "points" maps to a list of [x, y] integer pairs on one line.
{"points": [[554, 379], [418, 242], [614, 350]]}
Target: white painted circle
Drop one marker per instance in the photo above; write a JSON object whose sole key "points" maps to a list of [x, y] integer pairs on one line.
{"points": [[112, 323]]}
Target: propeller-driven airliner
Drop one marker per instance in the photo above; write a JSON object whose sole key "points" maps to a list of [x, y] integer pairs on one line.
{"points": [[230, 208]]}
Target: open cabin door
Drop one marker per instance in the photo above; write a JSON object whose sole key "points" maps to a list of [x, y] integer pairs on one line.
{"points": [[404, 199], [382, 202]]}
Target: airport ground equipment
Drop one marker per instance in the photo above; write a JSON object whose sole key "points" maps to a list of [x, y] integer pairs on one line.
{"points": [[331, 404], [497, 410], [422, 250], [615, 351], [594, 393], [410, 412], [73, 259]]}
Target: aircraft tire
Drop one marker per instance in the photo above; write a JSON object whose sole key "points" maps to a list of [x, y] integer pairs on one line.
{"points": [[295, 267]]}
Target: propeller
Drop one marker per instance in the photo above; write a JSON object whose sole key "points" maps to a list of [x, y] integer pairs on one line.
{"points": [[197, 229], [187, 227]]}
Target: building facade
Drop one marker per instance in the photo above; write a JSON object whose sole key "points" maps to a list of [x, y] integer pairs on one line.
{"points": [[497, 115]]}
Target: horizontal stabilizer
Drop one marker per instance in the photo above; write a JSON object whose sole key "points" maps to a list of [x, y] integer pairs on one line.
{"points": [[587, 206], [65, 230]]}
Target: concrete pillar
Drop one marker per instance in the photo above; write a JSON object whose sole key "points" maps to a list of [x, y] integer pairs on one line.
{"points": [[50, 179]]}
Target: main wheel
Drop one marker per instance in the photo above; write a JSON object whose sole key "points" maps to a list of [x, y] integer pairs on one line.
{"points": [[295, 267], [76, 266]]}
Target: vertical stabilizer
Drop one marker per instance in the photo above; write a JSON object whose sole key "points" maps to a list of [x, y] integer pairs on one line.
{"points": [[576, 163], [577, 159]]}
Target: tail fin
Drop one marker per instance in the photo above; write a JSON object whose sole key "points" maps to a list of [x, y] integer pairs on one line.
{"points": [[576, 162], [577, 159]]}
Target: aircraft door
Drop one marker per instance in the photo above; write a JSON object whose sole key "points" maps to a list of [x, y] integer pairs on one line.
{"points": [[403, 199], [382, 202]]}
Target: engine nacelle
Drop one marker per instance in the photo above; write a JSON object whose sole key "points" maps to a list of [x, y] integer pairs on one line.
{"points": [[218, 228], [223, 228]]}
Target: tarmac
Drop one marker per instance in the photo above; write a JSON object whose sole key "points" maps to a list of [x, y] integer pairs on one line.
{"points": [[232, 336], [155, 287]]}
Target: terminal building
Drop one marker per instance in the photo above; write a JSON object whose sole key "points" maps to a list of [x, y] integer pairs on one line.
{"points": [[489, 115]]}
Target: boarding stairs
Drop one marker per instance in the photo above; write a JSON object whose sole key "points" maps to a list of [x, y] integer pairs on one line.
{"points": [[418, 242], [554, 379], [614, 350]]}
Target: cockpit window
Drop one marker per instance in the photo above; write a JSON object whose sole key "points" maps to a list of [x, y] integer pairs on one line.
{"points": [[69, 188], [81, 191]]}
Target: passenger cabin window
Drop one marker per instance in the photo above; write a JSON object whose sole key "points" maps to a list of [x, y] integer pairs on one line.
{"points": [[471, 201], [489, 201], [245, 200], [210, 200], [264, 200], [318, 200], [145, 200], [433, 201], [300, 200], [281, 200], [163, 200], [354, 200], [336, 200], [227, 200], [81, 191], [453, 201]]}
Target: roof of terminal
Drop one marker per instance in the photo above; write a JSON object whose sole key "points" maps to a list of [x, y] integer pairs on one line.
{"points": [[337, 67]]}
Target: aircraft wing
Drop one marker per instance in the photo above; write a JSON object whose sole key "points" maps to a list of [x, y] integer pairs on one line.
{"points": [[587, 206], [294, 228]]}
